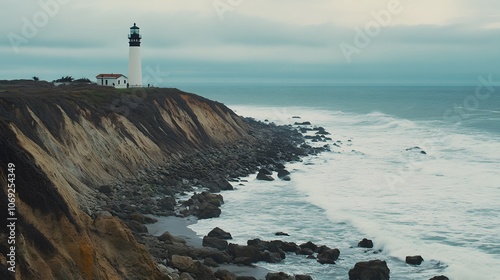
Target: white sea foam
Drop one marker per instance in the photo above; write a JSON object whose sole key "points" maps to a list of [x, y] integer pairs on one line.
{"points": [[443, 205]]}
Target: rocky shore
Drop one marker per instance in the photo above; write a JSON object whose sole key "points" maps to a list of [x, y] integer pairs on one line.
{"points": [[205, 174], [156, 192]]}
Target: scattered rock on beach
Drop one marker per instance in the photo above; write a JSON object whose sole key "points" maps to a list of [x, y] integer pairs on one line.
{"points": [[181, 262], [170, 239], [220, 233], [372, 270], [264, 177], [218, 185], [414, 260], [286, 178], [365, 243]]}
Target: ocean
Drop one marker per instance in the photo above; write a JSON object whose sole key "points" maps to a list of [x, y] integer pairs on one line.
{"points": [[443, 204]]}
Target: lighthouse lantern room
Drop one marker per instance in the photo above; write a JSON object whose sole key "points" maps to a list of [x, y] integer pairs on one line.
{"points": [[134, 63]]}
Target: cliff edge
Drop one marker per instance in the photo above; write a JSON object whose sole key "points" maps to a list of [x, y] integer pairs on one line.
{"points": [[61, 143]]}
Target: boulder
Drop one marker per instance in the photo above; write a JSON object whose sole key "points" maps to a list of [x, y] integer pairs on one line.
{"points": [[167, 203], [370, 270], [261, 244], [239, 251], [264, 177], [282, 173], [308, 245], [365, 243], [207, 211], [218, 185], [322, 249], [279, 165], [266, 171], [223, 274], [245, 278], [303, 277], [216, 243], [271, 257], [440, 277], [217, 255], [289, 247], [414, 260], [182, 263], [286, 178], [219, 233], [278, 276], [280, 233], [328, 256], [302, 123], [201, 271], [170, 239]]}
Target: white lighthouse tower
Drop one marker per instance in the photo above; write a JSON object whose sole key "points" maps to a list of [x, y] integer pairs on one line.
{"points": [[134, 59]]}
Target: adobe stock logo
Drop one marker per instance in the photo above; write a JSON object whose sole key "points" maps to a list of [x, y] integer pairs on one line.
{"points": [[31, 26], [363, 37], [221, 7]]}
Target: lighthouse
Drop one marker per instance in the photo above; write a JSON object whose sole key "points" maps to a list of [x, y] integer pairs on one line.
{"points": [[134, 59]]}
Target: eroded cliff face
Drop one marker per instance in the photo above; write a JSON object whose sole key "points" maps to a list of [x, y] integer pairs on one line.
{"points": [[65, 142]]}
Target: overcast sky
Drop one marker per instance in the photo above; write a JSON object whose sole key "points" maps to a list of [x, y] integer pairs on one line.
{"points": [[327, 41]]}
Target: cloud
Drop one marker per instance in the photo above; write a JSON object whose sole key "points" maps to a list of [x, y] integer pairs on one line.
{"points": [[257, 38]]}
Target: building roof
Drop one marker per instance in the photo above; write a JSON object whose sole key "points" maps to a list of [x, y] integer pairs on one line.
{"points": [[110, 76]]}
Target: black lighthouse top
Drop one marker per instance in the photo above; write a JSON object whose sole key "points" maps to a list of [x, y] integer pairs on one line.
{"points": [[134, 37]]}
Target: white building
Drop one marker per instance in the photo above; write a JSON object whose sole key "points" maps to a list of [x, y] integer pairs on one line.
{"points": [[112, 80]]}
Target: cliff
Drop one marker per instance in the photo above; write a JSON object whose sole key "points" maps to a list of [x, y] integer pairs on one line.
{"points": [[64, 142]]}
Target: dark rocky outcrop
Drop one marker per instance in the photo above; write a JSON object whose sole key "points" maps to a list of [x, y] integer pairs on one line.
{"points": [[365, 243], [370, 270], [280, 233], [414, 260]]}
